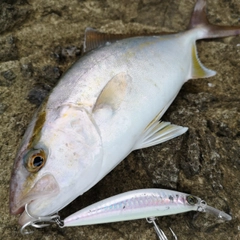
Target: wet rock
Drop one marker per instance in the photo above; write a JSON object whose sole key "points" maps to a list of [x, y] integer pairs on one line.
{"points": [[46, 79], [27, 70], [51, 74], [14, 1], [8, 75], [3, 108], [200, 100], [8, 49], [11, 15], [37, 95], [7, 78], [61, 54], [191, 161], [222, 128]]}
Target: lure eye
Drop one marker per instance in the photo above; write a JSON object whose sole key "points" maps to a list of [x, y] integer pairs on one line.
{"points": [[192, 200], [35, 160]]}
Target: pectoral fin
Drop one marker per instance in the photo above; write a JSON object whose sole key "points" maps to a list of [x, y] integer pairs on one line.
{"points": [[158, 132], [112, 95]]}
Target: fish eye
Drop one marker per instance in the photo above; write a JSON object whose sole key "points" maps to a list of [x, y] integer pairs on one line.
{"points": [[35, 160], [191, 200]]}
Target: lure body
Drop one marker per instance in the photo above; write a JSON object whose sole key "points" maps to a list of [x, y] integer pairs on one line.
{"points": [[136, 204], [133, 205]]}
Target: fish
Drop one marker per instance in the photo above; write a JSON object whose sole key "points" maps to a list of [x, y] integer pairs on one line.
{"points": [[106, 105]]}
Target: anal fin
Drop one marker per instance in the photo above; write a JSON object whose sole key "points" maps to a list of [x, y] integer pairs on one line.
{"points": [[158, 132]]}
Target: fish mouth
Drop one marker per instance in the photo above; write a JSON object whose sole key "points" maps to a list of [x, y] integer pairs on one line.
{"points": [[25, 216], [44, 189], [18, 211]]}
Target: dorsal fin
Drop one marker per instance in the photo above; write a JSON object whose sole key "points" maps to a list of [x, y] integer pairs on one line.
{"points": [[94, 39]]}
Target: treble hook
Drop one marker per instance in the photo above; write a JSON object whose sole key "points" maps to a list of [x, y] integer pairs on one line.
{"points": [[38, 222], [159, 231]]}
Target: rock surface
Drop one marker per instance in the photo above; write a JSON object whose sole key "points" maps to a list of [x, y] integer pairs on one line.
{"points": [[40, 39]]}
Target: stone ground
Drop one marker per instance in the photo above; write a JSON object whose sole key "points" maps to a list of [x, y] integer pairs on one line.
{"points": [[40, 39]]}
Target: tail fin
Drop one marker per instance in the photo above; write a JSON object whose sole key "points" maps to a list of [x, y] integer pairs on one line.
{"points": [[199, 20]]}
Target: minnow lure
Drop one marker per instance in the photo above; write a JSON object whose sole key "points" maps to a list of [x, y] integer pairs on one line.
{"points": [[139, 204], [136, 204]]}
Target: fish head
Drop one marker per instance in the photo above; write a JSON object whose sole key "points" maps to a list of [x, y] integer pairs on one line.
{"points": [[58, 160]]}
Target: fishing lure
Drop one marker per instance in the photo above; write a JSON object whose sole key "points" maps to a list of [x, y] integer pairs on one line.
{"points": [[131, 205]]}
